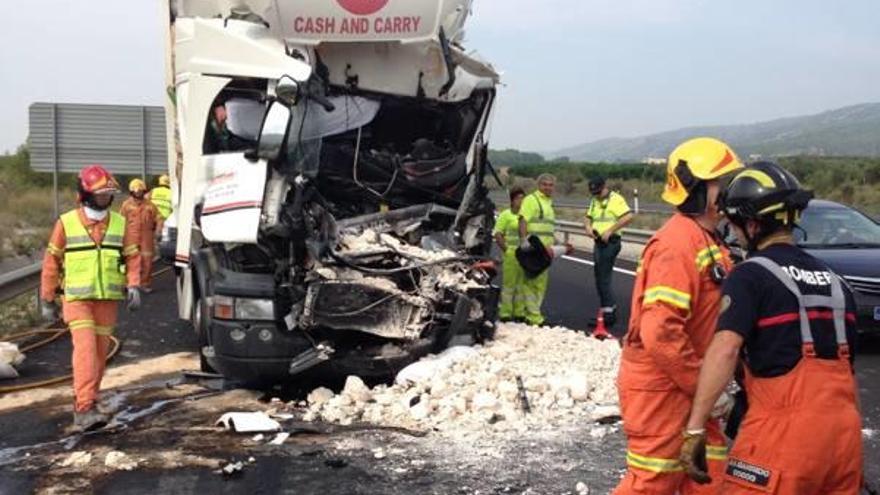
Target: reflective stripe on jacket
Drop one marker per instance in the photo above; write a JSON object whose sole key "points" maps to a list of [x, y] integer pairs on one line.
{"points": [[675, 307], [537, 211], [508, 226], [93, 271], [604, 213]]}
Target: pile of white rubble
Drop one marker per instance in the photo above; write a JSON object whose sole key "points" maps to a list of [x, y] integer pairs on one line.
{"points": [[568, 378]]}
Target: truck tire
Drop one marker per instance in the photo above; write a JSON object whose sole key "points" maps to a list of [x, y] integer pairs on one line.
{"points": [[200, 323]]}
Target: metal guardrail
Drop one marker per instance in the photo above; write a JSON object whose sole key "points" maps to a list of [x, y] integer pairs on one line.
{"points": [[583, 203], [19, 281], [656, 209], [635, 236]]}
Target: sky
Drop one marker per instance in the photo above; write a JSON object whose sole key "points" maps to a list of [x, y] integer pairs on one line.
{"points": [[574, 71]]}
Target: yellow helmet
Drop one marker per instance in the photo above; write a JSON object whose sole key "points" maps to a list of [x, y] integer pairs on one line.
{"points": [[693, 162], [164, 180], [136, 185]]}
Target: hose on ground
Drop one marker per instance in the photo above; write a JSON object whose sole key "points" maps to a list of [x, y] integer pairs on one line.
{"points": [[53, 335]]}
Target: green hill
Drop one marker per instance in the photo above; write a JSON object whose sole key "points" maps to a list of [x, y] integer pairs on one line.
{"points": [[848, 131]]}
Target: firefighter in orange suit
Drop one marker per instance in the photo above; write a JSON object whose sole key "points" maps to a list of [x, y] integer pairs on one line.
{"points": [[93, 257], [143, 216], [791, 322], [674, 310]]}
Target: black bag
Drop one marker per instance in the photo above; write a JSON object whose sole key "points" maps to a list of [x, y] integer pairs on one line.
{"points": [[533, 259]]}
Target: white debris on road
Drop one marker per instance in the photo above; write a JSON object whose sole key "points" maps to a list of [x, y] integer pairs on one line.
{"points": [[568, 379], [869, 433], [119, 461], [280, 438], [10, 358], [248, 422], [77, 459]]}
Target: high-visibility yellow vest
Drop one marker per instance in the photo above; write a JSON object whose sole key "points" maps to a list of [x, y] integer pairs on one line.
{"points": [[508, 225], [161, 197], [604, 213], [537, 210], [93, 271]]}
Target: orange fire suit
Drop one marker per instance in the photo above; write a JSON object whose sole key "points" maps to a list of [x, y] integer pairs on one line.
{"points": [[674, 312], [143, 216], [91, 322], [802, 432]]}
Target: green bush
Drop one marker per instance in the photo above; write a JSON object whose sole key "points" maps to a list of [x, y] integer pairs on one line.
{"points": [[853, 181]]}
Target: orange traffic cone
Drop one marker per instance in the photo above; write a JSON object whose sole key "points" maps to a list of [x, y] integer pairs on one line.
{"points": [[601, 332]]}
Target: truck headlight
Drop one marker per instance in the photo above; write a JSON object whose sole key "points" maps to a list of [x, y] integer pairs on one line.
{"points": [[254, 309]]}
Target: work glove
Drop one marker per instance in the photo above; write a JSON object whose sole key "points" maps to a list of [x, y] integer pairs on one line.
{"points": [[693, 456], [133, 299], [49, 311], [722, 406]]}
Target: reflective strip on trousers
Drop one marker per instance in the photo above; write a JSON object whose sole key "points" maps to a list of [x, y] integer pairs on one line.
{"points": [[104, 329], [662, 465], [653, 464], [78, 324]]}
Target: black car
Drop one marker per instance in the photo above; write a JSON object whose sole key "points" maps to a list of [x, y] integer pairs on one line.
{"points": [[848, 241]]}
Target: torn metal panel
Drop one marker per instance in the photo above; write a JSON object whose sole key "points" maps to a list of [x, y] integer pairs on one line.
{"points": [[363, 306], [400, 221]]}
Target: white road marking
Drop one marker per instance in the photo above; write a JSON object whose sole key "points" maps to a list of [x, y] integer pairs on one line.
{"points": [[590, 263]]}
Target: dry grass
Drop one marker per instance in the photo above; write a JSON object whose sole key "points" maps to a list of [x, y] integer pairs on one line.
{"points": [[19, 314], [26, 219]]}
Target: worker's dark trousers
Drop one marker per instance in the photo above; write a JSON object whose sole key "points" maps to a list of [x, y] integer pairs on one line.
{"points": [[604, 256]]}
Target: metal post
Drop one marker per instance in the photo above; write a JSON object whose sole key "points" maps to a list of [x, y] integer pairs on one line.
{"points": [[143, 143], [636, 200], [55, 156]]}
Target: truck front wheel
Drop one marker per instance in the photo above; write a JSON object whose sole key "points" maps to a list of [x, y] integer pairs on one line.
{"points": [[200, 322]]}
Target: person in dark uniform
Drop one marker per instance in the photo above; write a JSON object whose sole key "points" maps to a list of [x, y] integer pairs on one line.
{"points": [[790, 321], [606, 215]]}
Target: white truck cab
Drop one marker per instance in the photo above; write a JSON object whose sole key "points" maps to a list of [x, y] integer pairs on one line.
{"points": [[327, 173]]}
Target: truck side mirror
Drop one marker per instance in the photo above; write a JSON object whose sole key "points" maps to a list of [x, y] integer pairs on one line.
{"points": [[273, 133], [287, 90]]}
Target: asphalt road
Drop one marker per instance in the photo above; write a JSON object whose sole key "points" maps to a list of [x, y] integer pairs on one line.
{"points": [[571, 301]]}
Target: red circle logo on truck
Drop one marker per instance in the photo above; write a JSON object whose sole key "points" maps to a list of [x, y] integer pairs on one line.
{"points": [[362, 7]]}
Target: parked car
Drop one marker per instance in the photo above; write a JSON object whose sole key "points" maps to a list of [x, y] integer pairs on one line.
{"points": [[849, 242]]}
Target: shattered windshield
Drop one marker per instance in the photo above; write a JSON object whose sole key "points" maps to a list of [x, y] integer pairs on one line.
{"points": [[245, 117], [310, 123]]}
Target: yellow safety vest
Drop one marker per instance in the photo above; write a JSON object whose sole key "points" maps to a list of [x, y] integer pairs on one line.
{"points": [[604, 213], [93, 271], [161, 197], [537, 209], [508, 224]]}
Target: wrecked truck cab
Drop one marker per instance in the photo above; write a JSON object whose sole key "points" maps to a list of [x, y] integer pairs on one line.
{"points": [[353, 235], [341, 278]]}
